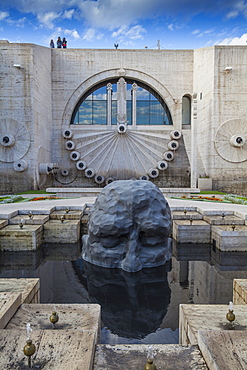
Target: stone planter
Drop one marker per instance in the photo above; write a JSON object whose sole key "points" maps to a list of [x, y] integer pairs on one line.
{"points": [[205, 183]]}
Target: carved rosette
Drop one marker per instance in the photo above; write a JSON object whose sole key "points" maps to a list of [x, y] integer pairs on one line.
{"points": [[230, 140]]}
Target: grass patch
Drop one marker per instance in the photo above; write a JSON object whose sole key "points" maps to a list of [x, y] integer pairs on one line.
{"points": [[34, 192]]}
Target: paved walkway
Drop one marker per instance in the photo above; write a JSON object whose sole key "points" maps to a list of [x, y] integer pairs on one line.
{"points": [[80, 203]]}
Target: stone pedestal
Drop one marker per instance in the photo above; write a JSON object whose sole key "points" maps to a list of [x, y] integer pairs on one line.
{"points": [[55, 349], [134, 357], [67, 214], [240, 291], [226, 220], [67, 231], [196, 232], [35, 220], [180, 215], [3, 223], [29, 288], [224, 349], [13, 238], [71, 317], [226, 239], [207, 317], [9, 303], [205, 183]]}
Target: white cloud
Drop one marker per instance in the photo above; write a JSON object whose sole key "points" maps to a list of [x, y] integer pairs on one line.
{"points": [[199, 33], [3, 15], [47, 19], [72, 33], [242, 40], [91, 34], [19, 23], [238, 8], [68, 14], [114, 14], [132, 33], [195, 32]]}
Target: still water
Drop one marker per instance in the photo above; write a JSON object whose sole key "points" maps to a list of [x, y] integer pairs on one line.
{"points": [[140, 307]]}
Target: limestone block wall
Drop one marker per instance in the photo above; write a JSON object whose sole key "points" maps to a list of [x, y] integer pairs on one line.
{"points": [[220, 79], [25, 113], [75, 71], [203, 88]]}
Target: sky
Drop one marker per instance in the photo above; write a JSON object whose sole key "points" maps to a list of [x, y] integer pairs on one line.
{"points": [[132, 24]]}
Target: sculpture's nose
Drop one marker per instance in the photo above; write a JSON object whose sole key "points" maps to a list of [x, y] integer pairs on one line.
{"points": [[131, 262]]}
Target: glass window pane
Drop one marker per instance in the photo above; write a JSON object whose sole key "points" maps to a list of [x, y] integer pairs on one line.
{"points": [[114, 112], [150, 108], [142, 112], [85, 113], [99, 112], [100, 94], [128, 91], [90, 97], [156, 113], [114, 92], [142, 94], [129, 112]]}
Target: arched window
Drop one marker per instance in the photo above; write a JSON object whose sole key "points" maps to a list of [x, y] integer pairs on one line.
{"points": [[123, 101], [186, 110]]}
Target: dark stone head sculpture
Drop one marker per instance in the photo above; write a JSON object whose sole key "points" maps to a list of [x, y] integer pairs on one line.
{"points": [[128, 227]]}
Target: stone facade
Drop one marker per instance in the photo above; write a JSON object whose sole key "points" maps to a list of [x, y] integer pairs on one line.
{"points": [[40, 88]]}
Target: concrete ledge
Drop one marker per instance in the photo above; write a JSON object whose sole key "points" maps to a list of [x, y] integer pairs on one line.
{"points": [[9, 303], [71, 317], [194, 317], [86, 192], [223, 349], [197, 232], [3, 223], [226, 239], [240, 291], [29, 288], [55, 349], [134, 357], [67, 231], [13, 238]]}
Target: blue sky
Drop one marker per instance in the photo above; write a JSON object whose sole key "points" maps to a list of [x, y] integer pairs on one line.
{"points": [[133, 24]]}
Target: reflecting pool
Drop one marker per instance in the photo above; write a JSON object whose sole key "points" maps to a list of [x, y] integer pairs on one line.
{"points": [[139, 307]]}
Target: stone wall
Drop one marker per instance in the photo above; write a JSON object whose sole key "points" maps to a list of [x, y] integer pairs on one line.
{"points": [[39, 94], [25, 111]]}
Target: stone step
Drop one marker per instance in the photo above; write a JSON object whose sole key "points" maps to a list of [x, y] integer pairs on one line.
{"points": [[229, 238], [193, 317], [195, 231], [9, 303], [56, 231], [240, 291], [224, 349], [29, 288], [71, 317], [14, 238], [55, 349], [27, 220], [134, 357]]}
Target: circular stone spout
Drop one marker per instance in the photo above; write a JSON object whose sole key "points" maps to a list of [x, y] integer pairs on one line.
{"points": [[128, 227]]}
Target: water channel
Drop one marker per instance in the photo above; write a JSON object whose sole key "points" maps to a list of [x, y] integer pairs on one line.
{"points": [[141, 307]]}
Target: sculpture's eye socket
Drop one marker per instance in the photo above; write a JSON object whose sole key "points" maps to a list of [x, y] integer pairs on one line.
{"points": [[109, 242], [150, 240]]}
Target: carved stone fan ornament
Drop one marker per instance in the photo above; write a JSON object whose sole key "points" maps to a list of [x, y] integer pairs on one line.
{"points": [[231, 140]]}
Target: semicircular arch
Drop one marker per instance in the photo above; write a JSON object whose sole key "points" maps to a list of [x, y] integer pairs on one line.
{"points": [[111, 74]]}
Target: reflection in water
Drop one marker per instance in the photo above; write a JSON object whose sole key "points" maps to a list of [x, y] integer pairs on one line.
{"points": [[140, 307], [133, 305]]}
